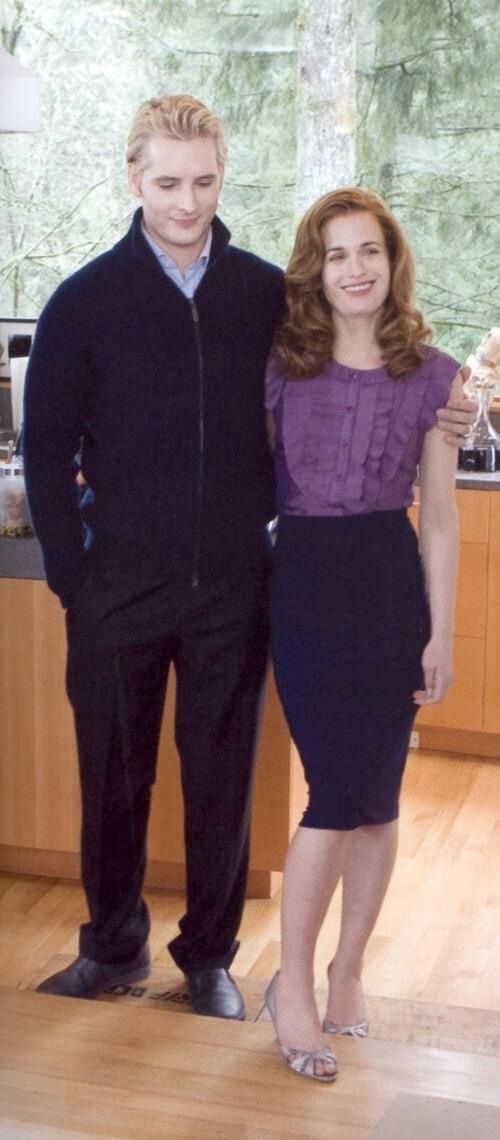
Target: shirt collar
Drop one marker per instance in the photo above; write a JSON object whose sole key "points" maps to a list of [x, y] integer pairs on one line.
{"points": [[169, 262]]}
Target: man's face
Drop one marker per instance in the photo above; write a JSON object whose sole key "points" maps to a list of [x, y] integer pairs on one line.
{"points": [[179, 188]]}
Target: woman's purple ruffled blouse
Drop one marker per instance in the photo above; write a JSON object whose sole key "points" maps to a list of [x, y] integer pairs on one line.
{"points": [[348, 440]]}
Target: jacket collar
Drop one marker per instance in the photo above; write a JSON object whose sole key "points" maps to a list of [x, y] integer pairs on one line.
{"points": [[221, 237]]}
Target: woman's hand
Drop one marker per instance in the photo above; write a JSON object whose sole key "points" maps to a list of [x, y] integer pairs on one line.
{"points": [[437, 666]]}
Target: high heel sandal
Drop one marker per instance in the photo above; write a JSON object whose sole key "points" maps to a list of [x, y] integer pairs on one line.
{"points": [[361, 1029], [301, 1061]]}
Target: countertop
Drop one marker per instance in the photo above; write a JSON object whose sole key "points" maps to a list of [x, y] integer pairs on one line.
{"points": [[21, 558], [478, 480]]}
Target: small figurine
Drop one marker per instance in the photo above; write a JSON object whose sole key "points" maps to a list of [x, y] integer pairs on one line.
{"points": [[481, 450], [484, 363]]}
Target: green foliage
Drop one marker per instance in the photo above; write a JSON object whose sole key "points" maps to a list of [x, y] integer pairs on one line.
{"points": [[63, 195], [428, 139], [428, 133]]}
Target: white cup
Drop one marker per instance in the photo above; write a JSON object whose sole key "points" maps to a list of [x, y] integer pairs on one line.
{"points": [[18, 367]]}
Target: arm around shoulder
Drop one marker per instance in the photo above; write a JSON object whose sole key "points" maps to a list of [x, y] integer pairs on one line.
{"points": [[459, 413]]}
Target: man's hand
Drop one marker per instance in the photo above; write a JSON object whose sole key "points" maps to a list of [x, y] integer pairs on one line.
{"points": [[459, 414]]}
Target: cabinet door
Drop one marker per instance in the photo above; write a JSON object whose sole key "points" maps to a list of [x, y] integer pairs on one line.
{"points": [[463, 707], [39, 794], [39, 787], [492, 685], [473, 512]]}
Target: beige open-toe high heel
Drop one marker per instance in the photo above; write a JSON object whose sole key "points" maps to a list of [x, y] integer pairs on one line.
{"points": [[360, 1029], [301, 1061]]}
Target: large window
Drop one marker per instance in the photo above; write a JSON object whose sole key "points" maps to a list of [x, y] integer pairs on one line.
{"points": [[428, 133], [63, 194], [428, 139]]}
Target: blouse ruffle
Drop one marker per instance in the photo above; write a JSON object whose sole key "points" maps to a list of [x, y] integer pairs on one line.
{"points": [[350, 440]]}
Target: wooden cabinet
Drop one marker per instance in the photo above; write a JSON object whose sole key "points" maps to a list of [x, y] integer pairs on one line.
{"points": [[469, 719], [39, 794], [492, 656]]}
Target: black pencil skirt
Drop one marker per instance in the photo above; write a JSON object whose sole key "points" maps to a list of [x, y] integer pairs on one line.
{"points": [[350, 620]]}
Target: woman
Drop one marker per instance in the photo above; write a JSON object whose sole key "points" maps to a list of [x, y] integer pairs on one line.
{"points": [[362, 633]]}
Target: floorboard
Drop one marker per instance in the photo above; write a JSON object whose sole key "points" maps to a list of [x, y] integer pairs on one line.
{"points": [[89, 1069]]}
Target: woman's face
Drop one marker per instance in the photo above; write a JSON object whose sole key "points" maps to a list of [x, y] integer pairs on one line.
{"points": [[356, 269]]}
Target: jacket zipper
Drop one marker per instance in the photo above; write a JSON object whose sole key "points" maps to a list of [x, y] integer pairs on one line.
{"points": [[195, 583]]}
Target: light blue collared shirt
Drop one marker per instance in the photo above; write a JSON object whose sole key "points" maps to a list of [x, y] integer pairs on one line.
{"points": [[188, 281]]}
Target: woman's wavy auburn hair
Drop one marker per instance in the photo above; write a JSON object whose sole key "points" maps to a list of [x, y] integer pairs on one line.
{"points": [[306, 336]]}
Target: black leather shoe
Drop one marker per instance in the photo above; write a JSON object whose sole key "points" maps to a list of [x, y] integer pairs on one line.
{"points": [[214, 994], [85, 978]]}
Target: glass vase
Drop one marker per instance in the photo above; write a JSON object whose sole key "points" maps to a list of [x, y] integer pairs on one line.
{"points": [[481, 450]]}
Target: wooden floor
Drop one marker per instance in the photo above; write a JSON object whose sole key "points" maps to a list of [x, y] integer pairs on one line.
{"points": [[80, 1069], [74, 1069]]}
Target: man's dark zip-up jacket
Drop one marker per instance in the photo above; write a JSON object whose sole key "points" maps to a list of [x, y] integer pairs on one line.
{"points": [[164, 399]]}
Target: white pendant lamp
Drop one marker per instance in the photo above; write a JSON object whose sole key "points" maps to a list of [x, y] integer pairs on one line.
{"points": [[20, 102]]}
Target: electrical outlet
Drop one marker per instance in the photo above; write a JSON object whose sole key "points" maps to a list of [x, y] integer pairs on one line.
{"points": [[415, 740]]}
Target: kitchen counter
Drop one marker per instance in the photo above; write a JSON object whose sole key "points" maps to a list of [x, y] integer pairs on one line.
{"points": [[478, 480], [21, 558]]}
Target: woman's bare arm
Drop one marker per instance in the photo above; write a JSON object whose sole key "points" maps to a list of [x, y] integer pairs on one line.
{"points": [[438, 525]]}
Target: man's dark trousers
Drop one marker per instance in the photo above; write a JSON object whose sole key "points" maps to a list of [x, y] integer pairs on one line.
{"points": [[121, 644]]}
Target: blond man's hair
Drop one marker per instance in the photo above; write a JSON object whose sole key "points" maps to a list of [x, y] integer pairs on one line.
{"points": [[173, 117]]}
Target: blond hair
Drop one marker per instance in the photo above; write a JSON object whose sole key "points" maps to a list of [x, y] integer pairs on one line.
{"points": [[306, 335], [173, 117]]}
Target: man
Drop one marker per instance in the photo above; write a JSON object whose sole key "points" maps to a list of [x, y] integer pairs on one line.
{"points": [[149, 361]]}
